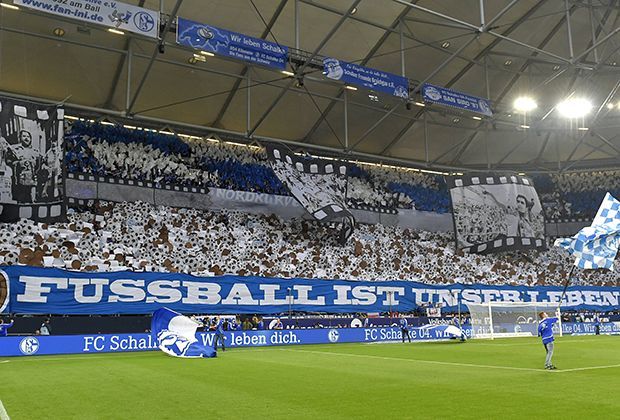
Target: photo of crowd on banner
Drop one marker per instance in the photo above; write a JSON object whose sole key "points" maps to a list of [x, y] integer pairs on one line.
{"points": [[489, 212]]}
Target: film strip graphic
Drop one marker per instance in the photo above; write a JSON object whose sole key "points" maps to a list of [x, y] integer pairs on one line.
{"points": [[40, 212], [136, 183], [483, 179], [309, 166], [509, 243], [327, 212], [374, 209]]}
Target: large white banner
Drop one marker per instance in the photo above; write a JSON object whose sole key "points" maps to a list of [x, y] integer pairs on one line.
{"points": [[104, 12]]}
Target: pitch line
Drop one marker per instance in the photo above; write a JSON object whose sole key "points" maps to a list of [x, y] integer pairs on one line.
{"points": [[84, 356], [586, 368], [3, 414], [434, 362]]}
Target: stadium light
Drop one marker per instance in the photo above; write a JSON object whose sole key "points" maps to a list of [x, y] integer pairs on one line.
{"points": [[116, 31], [525, 104], [574, 107], [610, 105]]}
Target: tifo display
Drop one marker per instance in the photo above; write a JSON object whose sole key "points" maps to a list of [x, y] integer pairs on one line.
{"points": [[299, 209]]}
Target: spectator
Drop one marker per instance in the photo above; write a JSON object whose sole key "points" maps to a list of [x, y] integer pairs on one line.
{"points": [[45, 328], [4, 327]]}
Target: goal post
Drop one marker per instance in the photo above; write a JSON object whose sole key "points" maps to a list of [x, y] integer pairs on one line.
{"points": [[509, 319]]}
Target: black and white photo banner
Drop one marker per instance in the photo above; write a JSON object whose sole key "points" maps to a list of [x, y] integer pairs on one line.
{"points": [[494, 213], [31, 152], [319, 185]]}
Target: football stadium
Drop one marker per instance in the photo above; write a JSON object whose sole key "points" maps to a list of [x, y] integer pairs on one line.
{"points": [[307, 209]]}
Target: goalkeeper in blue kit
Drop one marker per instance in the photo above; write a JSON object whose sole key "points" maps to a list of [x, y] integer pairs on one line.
{"points": [[545, 331]]}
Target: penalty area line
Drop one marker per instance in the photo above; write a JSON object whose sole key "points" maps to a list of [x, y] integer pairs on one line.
{"points": [[433, 362], [3, 414]]}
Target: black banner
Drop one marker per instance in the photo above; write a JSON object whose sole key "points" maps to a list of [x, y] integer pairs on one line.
{"points": [[495, 213], [31, 150]]}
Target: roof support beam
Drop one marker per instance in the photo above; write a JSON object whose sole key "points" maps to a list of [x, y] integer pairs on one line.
{"points": [[376, 124], [454, 147], [596, 44], [371, 53], [610, 95], [300, 70], [462, 23], [426, 79], [607, 142], [501, 13], [484, 29], [233, 90], [119, 69], [156, 51], [199, 129], [513, 149], [542, 148], [468, 66], [465, 146]]}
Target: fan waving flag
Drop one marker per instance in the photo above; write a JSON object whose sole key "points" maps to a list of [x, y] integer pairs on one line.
{"points": [[176, 335], [596, 246]]}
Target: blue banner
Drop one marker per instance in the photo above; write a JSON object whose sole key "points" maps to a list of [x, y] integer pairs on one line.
{"points": [[111, 343], [231, 44], [449, 97], [117, 343], [37, 290], [364, 76]]}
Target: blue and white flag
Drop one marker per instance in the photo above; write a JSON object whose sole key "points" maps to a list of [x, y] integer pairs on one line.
{"points": [[443, 331], [596, 246], [176, 335]]}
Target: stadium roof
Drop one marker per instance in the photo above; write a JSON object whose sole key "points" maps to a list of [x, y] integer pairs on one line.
{"points": [[546, 49]]}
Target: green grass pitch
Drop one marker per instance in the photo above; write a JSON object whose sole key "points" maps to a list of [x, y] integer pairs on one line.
{"points": [[478, 379]]}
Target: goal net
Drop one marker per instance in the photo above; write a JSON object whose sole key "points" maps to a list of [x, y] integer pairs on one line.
{"points": [[507, 319]]}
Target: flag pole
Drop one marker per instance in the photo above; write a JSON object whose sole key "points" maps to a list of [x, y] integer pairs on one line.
{"points": [[566, 283]]}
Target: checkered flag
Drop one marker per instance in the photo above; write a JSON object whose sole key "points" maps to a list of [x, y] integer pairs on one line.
{"points": [[596, 246]]}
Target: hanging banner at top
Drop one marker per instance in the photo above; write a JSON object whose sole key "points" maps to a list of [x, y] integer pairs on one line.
{"points": [[363, 76], [449, 97], [114, 14], [231, 44]]}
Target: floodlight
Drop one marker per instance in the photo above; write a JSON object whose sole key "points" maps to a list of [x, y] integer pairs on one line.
{"points": [[525, 104], [574, 107]]}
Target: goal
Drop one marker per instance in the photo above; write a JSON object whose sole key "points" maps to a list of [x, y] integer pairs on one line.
{"points": [[509, 319]]}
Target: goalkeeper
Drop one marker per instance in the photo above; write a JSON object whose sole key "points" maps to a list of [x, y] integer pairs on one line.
{"points": [[545, 330]]}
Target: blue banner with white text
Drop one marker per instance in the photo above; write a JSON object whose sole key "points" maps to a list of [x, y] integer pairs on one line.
{"points": [[113, 343], [219, 41], [118, 343], [366, 77], [38, 290], [444, 96]]}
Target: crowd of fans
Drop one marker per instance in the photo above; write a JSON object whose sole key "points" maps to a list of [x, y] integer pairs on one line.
{"points": [[167, 159], [138, 236], [108, 150]]}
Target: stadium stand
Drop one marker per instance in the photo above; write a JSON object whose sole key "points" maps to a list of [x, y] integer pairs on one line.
{"points": [[151, 156], [143, 155], [137, 236]]}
